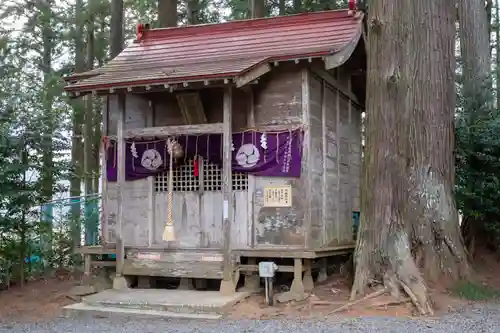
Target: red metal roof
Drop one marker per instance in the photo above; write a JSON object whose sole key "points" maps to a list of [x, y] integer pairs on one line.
{"points": [[223, 50]]}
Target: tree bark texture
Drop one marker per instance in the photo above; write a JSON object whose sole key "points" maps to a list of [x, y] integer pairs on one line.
{"points": [[91, 221], [474, 43], [77, 120], [48, 123], [116, 27], [258, 8], [474, 22], [497, 59], [282, 7], [167, 13], [489, 21], [192, 12], [409, 225], [297, 6], [48, 127], [431, 209]]}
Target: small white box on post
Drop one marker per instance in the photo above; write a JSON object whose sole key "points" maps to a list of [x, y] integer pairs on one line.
{"points": [[267, 270]]}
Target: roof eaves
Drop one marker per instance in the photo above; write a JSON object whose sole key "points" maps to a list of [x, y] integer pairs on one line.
{"points": [[81, 76], [83, 88]]}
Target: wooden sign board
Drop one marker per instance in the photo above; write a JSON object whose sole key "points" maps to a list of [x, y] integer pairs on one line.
{"points": [[278, 196]]}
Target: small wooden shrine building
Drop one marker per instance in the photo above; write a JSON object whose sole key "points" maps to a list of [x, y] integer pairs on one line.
{"points": [[229, 143]]}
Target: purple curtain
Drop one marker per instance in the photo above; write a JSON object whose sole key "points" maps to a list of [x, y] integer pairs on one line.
{"points": [[277, 154]]}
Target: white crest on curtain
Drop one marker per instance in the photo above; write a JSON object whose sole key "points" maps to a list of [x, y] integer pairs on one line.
{"points": [[248, 155], [151, 159]]}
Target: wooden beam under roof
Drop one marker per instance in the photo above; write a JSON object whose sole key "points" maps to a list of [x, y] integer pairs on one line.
{"points": [[252, 75], [191, 107], [160, 131]]}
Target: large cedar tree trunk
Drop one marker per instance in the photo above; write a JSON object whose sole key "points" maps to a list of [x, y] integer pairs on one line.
{"points": [[409, 225]]}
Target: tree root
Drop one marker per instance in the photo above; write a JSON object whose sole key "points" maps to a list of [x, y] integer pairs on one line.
{"points": [[390, 303], [367, 297], [424, 309]]}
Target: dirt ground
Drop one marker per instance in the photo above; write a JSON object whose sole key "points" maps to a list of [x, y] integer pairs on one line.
{"points": [[332, 294], [37, 300], [44, 299]]}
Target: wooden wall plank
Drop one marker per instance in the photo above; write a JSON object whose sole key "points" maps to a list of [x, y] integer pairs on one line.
{"points": [[227, 188], [120, 250]]}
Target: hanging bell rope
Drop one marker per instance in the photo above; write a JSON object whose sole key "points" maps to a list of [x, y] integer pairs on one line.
{"points": [[174, 150]]}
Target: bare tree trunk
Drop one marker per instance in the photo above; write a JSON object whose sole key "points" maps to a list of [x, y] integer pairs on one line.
{"points": [[297, 6], [76, 140], [431, 209], [497, 39], [22, 227], [282, 7], [383, 237], [47, 172], [489, 12], [408, 207], [116, 27], [474, 33], [474, 43], [88, 142], [258, 8], [192, 12], [167, 13]]}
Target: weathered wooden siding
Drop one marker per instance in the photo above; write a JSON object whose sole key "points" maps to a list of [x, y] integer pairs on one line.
{"points": [[198, 219], [331, 167], [278, 97], [278, 100], [355, 156], [335, 162], [199, 214], [345, 180], [322, 199], [315, 165], [135, 196]]}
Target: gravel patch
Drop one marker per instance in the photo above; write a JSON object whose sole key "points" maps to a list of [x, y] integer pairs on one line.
{"points": [[478, 318]]}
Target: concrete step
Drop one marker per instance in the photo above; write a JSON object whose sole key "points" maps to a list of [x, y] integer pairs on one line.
{"points": [[163, 300], [81, 309]]}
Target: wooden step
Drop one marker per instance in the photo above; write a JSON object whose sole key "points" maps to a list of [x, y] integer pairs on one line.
{"points": [[185, 264], [96, 249]]}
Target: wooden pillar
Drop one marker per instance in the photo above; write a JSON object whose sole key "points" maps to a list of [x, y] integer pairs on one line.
{"points": [[323, 270], [251, 178], [119, 282], [297, 290], [325, 157], [307, 224], [151, 185], [228, 285], [307, 279], [104, 175]]}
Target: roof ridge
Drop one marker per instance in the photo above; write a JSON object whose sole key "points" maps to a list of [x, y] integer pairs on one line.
{"points": [[246, 24]]}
